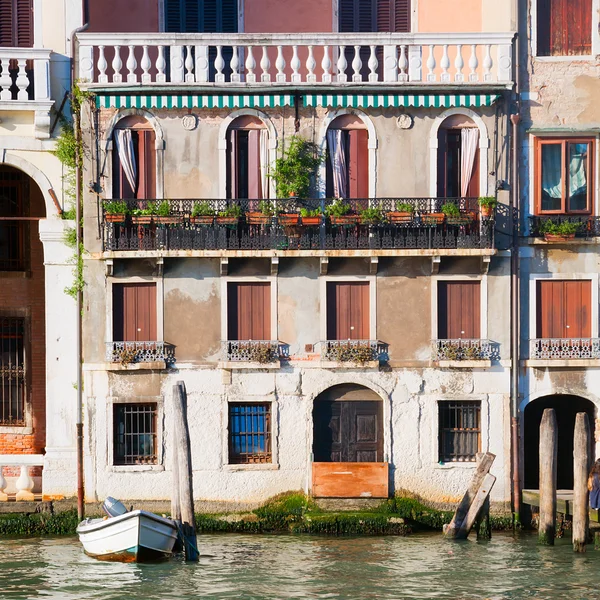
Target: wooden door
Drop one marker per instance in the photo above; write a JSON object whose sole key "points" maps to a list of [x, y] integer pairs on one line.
{"points": [[348, 431], [459, 310], [134, 312], [564, 309], [16, 23], [358, 163], [249, 311], [348, 310]]}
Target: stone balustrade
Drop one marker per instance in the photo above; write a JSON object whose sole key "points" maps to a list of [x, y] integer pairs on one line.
{"points": [[24, 484], [24, 75], [338, 59]]}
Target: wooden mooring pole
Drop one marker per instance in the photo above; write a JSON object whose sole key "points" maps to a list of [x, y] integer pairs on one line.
{"points": [[581, 468], [186, 494], [548, 458]]}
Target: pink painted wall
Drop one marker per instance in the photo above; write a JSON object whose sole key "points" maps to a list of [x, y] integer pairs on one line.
{"points": [[118, 16], [449, 15], [288, 16]]}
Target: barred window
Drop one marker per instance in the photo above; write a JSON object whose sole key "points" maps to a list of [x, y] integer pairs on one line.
{"points": [[459, 431], [249, 433], [135, 434], [12, 371], [13, 232]]}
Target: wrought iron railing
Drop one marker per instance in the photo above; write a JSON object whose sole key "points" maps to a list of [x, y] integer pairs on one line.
{"points": [[356, 351], [465, 349], [584, 226], [258, 351], [564, 348], [139, 352], [240, 225]]}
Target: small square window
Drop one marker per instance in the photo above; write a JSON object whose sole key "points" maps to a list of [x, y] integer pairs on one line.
{"points": [[135, 436], [249, 433], [459, 431]]}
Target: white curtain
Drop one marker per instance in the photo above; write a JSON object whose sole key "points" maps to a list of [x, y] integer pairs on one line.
{"points": [[127, 155], [264, 162], [337, 156], [469, 138]]}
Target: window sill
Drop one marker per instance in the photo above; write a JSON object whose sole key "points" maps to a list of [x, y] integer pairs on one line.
{"points": [[16, 430], [234, 365], [562, 362], [252, 467], [463, 364], [573, 242], [159, 365], [569, 58], [332, 364], [134, 468], [456, 465]]}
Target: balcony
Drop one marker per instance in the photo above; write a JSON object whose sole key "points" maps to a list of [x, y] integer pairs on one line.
{"points": [[263, 352], [294, 59], [465, 352], [564, 228], [293, 225], [564, 348], [129, 353], [358, 352]]}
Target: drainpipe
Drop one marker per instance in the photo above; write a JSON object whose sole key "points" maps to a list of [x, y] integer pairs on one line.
{"points": [[79, 422], [514, 274]]}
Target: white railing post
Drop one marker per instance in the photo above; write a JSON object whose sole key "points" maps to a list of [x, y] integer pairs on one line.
{"points": [[326, 65], [86, 63], [295, 64], [189, 64], [402, 64], [161, 65], [415, 62], [3, 484], [311, 65], [342, 64], [102, 66], [117, 65], [24, 485], [250, 66], [356, 65], [473, 64], [131, 65], [265, 66], [5, 80], [22, 81], [176, 61], [202, 66], [487, 64], [235, 65], [445, 64], [390, 63], [431, 76], [145, 64], [459, 63], [280, 65], [504, 68], [219, 65], [41, 78], [373, 64]]}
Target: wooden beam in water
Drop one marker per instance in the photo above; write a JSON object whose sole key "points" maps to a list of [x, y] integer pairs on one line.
{"points": [[548, 465], [581, 469]]}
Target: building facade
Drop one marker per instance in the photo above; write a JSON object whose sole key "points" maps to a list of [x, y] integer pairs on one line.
{"points": [[365, 323]]}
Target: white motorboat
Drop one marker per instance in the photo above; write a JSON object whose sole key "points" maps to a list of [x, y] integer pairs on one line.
{"points": [[127, 536]]}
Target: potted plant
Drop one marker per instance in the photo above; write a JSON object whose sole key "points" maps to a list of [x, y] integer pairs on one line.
{"points": [[403, 213], [558, 232], [311, 217], [143, 216], [436, 218], [202, 213], [294, 172], [371, 216], [454, 216], [339, 213], [288, 219], [115, 211], [230, 216], [163, 214], [487, 205], [264, 215], [471, 353]]}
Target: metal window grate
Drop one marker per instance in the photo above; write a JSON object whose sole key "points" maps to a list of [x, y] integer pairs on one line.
{"points": [[249, 433], [12, 230], [459, 431], [135, 434], [12, 371]]}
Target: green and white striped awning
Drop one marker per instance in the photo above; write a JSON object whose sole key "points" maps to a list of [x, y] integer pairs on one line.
{"points": [[396, 100], [194, 101]]}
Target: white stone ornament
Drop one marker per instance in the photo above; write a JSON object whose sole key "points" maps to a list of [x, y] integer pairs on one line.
{"points": [[24, 485], [3, 496], [405, 121], [189, 122]]}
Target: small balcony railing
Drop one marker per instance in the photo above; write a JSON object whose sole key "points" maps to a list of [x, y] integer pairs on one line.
{"points": [[139, 352], [465, 350], [24, 74], [557, 227], [353, 351], [257, 351], [564, 348], [238, 225], [271, 59]]}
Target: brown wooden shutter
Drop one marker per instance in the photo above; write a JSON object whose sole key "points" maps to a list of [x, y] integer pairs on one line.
{"points": [[564, 309], [348, 316], [564, 27], [473, 188], [459, 310], [146, 163], [16, 23], [358, 164], [249, 311], [134, 312], [393, 15], [442, 168], [254, 185], [232, 168]]}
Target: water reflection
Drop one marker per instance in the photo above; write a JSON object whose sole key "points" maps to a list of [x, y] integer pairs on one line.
{"points": [[253, 567]]}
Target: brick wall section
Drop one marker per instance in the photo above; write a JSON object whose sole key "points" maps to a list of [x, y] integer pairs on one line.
{"points": [[26, 295]]}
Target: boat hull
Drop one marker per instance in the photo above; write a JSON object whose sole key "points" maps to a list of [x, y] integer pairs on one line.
{"points": [[133, 537]]}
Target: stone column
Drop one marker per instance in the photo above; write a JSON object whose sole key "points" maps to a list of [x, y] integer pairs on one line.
{"points": [[59, 475]]}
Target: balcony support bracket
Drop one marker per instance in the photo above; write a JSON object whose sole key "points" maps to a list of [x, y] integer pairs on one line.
{"points": [[224, 266], [435, 264], [108, 265], [160, 263], [324, 265], [373, 264], [485, 264], [274, 265]]}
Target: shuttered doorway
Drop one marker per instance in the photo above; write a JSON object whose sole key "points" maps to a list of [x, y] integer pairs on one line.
{"points": [[459, 310], [564, 309], [249, 311], [348, 316], [134, 312]]}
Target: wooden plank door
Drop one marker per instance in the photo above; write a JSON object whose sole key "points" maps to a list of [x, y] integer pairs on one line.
{"points": [[348, 316], [358, 164], [249, 311], [134, 312], [348, 431], [459, 310], [564, 309]]}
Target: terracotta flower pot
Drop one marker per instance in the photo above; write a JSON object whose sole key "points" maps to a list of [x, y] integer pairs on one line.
{"points": [[311, 221], [288, 219], [345, 220], [227, 220], [463, 219], [486, 211], [170, 220], [202, 220], [433, 218], [400, 217], [554, 237], [142, 219], [114, 218], [257, 218]]}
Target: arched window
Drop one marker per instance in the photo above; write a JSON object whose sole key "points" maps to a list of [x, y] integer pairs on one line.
{"points": [[458, 158], [347, 168], [247, 158], [134, 159]]}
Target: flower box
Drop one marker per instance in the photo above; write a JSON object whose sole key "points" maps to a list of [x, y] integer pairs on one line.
{"points": [[142, 219], [554, 237], [345, 220], [311, 221], [400, 217], [202, 219], [170, 220], [463, 219], [115, 218], [288, 219], [487, 211], [257, 218], [227, 220], [433, 218]]}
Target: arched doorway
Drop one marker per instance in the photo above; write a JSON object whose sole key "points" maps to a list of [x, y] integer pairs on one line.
{"points": [[348, 443], [566, 407]]}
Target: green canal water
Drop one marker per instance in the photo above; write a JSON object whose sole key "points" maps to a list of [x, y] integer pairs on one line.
{"points": [[278, 566]]}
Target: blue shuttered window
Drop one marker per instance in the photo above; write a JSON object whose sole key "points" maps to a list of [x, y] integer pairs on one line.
{"points": [[249, 433]]}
